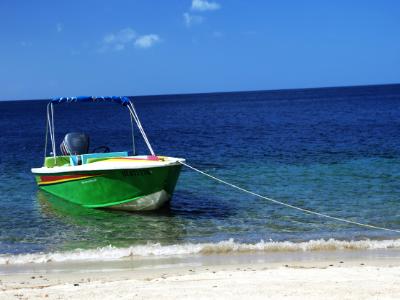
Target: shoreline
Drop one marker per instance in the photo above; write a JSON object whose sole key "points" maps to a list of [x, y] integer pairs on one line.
{"points": [[325, 274], [225, 247]]}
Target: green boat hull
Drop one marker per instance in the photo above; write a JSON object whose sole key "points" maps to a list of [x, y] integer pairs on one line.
{"points": [[125, 189]]}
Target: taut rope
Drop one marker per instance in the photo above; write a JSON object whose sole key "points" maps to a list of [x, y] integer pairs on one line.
{"points": [[289, 205]]}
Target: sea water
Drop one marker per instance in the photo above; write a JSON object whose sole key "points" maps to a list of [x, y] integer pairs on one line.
{"points": [[335, 151]]}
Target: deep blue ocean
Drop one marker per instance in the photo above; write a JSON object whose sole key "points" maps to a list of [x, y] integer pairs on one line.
{"points": [[332, 150]]}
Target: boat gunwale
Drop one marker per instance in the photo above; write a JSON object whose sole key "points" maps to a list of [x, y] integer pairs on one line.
{"points": [[110, 166]]}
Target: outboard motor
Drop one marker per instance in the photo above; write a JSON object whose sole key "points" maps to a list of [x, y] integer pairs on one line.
{"points": [[75, 143]]}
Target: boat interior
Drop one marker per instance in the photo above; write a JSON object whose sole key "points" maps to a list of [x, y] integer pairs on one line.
{"points": [[75, 150]]}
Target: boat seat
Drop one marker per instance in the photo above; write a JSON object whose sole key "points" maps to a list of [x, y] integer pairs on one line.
{"points": [[60, 161], [91, 157]]}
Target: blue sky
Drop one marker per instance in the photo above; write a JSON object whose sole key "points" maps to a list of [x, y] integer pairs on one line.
{"points": [[52, 48]]}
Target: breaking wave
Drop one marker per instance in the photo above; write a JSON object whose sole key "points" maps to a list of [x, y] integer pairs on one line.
{"points": [[157, 250]]}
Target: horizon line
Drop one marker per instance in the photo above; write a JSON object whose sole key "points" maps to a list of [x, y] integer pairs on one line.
{"points": [[239, 91]]}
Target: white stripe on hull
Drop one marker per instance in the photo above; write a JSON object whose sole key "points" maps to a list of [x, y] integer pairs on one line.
{"points": [[105, 165], [149, 202]]}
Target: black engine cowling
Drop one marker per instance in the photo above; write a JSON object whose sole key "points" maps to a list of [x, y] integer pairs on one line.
{"points": [[75, 143]]}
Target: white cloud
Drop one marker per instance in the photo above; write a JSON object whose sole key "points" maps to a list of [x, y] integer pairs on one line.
{"points": [[203, 5], [118, 41], [146, 41], [59, 27], [123, 36], [199, 6], [192, 19]]}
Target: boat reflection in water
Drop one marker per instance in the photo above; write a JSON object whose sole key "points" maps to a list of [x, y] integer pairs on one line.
{"points": [[87, 228]]}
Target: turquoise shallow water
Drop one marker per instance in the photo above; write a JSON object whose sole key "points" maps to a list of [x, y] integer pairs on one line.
{"points": [[335, 151]]}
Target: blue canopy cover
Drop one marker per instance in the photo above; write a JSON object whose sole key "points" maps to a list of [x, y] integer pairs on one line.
{"points": [[120, 100]]}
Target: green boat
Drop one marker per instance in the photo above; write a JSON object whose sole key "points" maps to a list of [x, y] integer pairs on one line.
{"points": [[104, 179]]}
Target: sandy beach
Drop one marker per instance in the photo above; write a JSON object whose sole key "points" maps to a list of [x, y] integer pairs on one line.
{"points": [[352, 278]]}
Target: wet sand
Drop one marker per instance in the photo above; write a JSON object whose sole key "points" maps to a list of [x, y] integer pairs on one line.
{"points": [[338, 275]]}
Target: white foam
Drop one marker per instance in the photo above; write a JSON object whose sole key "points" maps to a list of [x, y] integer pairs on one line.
{"points": [[157, 250]]}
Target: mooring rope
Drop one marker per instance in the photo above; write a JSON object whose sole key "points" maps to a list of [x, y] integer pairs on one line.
{"points": [[288, 205]]}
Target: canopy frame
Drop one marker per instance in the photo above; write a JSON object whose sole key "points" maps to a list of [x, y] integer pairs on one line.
{"points": [[124, 101]]}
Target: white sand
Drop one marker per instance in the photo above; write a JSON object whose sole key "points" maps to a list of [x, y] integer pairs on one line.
{"points": [[379, 279]]}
